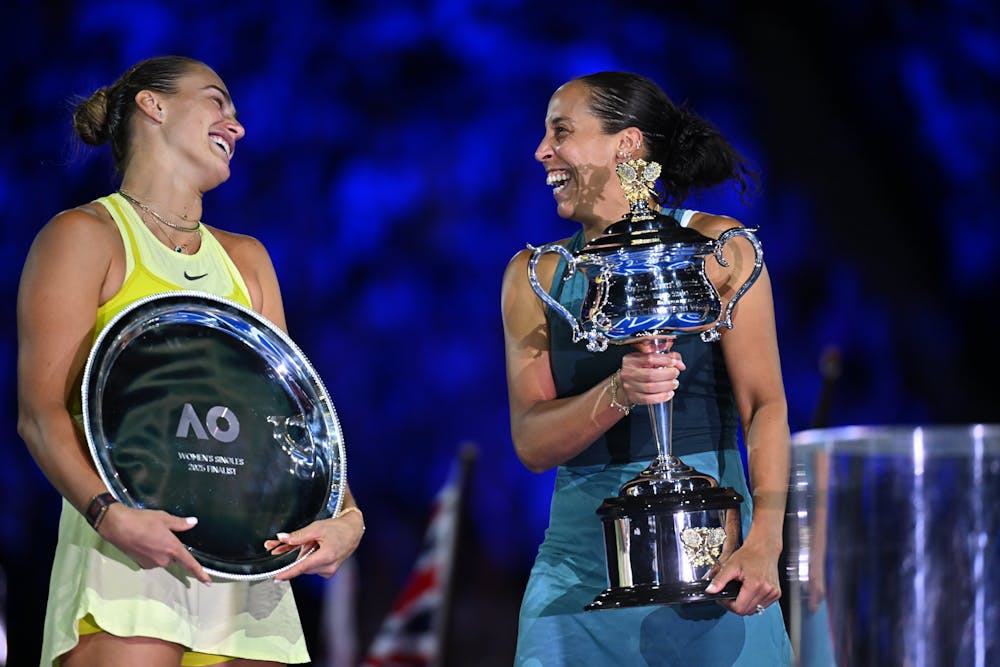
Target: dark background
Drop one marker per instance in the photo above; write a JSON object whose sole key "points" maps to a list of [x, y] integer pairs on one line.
{"points": [[388, 168]]}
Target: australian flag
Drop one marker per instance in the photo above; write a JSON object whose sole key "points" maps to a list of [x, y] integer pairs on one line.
{"points": [[413, 633]]}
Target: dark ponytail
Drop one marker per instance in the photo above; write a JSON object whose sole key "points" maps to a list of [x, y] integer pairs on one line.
{"points": [[692, 152]]}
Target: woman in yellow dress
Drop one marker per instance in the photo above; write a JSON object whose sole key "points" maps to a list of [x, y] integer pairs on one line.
{"points": [[124, 589]]}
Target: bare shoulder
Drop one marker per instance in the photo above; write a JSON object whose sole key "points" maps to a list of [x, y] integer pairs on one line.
{"points": [[89, 218], [712, 225], [254, 263], [515, 280], [250, 256], [523, 310], [75, 263], [243, 249], [518, 262], [84, 229], [518, 265]]}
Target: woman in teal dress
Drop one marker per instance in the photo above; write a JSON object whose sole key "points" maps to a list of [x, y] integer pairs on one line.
{"points": [[572, 409]]}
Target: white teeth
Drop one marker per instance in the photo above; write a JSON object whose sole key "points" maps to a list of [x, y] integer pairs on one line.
{"points": [[225, 146], [556, 178]]}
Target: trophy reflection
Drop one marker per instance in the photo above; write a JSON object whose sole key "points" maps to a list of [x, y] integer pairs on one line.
{"points": [[669, 528]]}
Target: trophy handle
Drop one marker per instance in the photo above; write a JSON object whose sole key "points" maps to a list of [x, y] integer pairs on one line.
{"points": [[595, 341], [712, 335]]}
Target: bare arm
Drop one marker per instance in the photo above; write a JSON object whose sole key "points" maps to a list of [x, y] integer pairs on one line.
{"points": [[57, 303], [71, 268], [547, 430], [751, 353]]}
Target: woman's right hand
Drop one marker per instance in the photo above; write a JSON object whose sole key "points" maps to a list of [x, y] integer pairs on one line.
{"points": [[650, 377], [147, 537]]}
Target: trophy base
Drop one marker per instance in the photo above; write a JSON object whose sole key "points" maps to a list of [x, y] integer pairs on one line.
{"points": [[644, 595]]}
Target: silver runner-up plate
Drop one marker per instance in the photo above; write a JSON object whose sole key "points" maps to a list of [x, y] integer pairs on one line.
{"points": [[196, 405]]}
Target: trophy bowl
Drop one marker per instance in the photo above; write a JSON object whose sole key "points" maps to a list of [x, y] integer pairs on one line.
{"points": [[668, 529], [198, 406]]}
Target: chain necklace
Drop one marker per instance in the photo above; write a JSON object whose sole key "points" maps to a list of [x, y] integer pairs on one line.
{"points": [[178, 247]]}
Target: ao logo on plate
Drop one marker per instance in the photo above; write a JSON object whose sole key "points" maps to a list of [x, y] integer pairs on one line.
{"points": [[220, 424]]}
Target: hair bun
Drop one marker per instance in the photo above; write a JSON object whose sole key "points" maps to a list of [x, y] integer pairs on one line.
{"points": [[90, 118]]}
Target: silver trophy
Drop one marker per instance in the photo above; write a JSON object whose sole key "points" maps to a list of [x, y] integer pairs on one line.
{"points": [[669, 528], [199, 406]]}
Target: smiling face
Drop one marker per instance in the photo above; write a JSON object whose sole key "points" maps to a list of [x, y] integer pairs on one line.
{"points": [[199, 124], [580, 159]]}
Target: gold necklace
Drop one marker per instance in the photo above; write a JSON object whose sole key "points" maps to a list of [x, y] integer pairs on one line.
{"points": [[178, 247]]}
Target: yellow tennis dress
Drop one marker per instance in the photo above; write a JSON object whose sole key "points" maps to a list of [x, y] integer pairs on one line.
{"points": [[94, 586]]}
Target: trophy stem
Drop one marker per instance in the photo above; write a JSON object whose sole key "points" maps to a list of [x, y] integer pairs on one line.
{"points": [[661, 414], [661, 417], [666, 470]]}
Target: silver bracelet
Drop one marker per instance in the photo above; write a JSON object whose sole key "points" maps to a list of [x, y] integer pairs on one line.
{"points": [[615, 386]]}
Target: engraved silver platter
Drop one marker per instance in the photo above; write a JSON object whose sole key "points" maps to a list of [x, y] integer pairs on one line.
{"points": [[198, 406]]}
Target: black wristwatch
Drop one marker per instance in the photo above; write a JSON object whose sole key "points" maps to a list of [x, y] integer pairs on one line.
{"points": [[98, 507]]}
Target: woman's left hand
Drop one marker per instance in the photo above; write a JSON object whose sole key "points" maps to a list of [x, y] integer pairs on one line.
{"points": [[758, 572], [325, 544]]}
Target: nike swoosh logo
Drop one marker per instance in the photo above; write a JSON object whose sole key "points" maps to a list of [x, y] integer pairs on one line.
{"points": [[194, 277]]}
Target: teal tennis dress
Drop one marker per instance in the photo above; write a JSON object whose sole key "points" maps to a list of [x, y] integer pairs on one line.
{"points": [[570, 569]]}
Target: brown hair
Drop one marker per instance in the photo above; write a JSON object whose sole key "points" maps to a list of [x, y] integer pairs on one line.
{"points": [[105, 115]]}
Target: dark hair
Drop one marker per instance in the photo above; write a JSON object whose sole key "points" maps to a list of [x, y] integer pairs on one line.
{"points": [[692, 153], [105, 115]]}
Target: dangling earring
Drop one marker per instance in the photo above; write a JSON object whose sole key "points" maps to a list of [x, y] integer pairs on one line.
{"points": [[625, 156]]}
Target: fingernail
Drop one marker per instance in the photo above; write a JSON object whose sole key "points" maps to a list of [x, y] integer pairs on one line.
{"points": [[191, 520], [282, 536]]}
